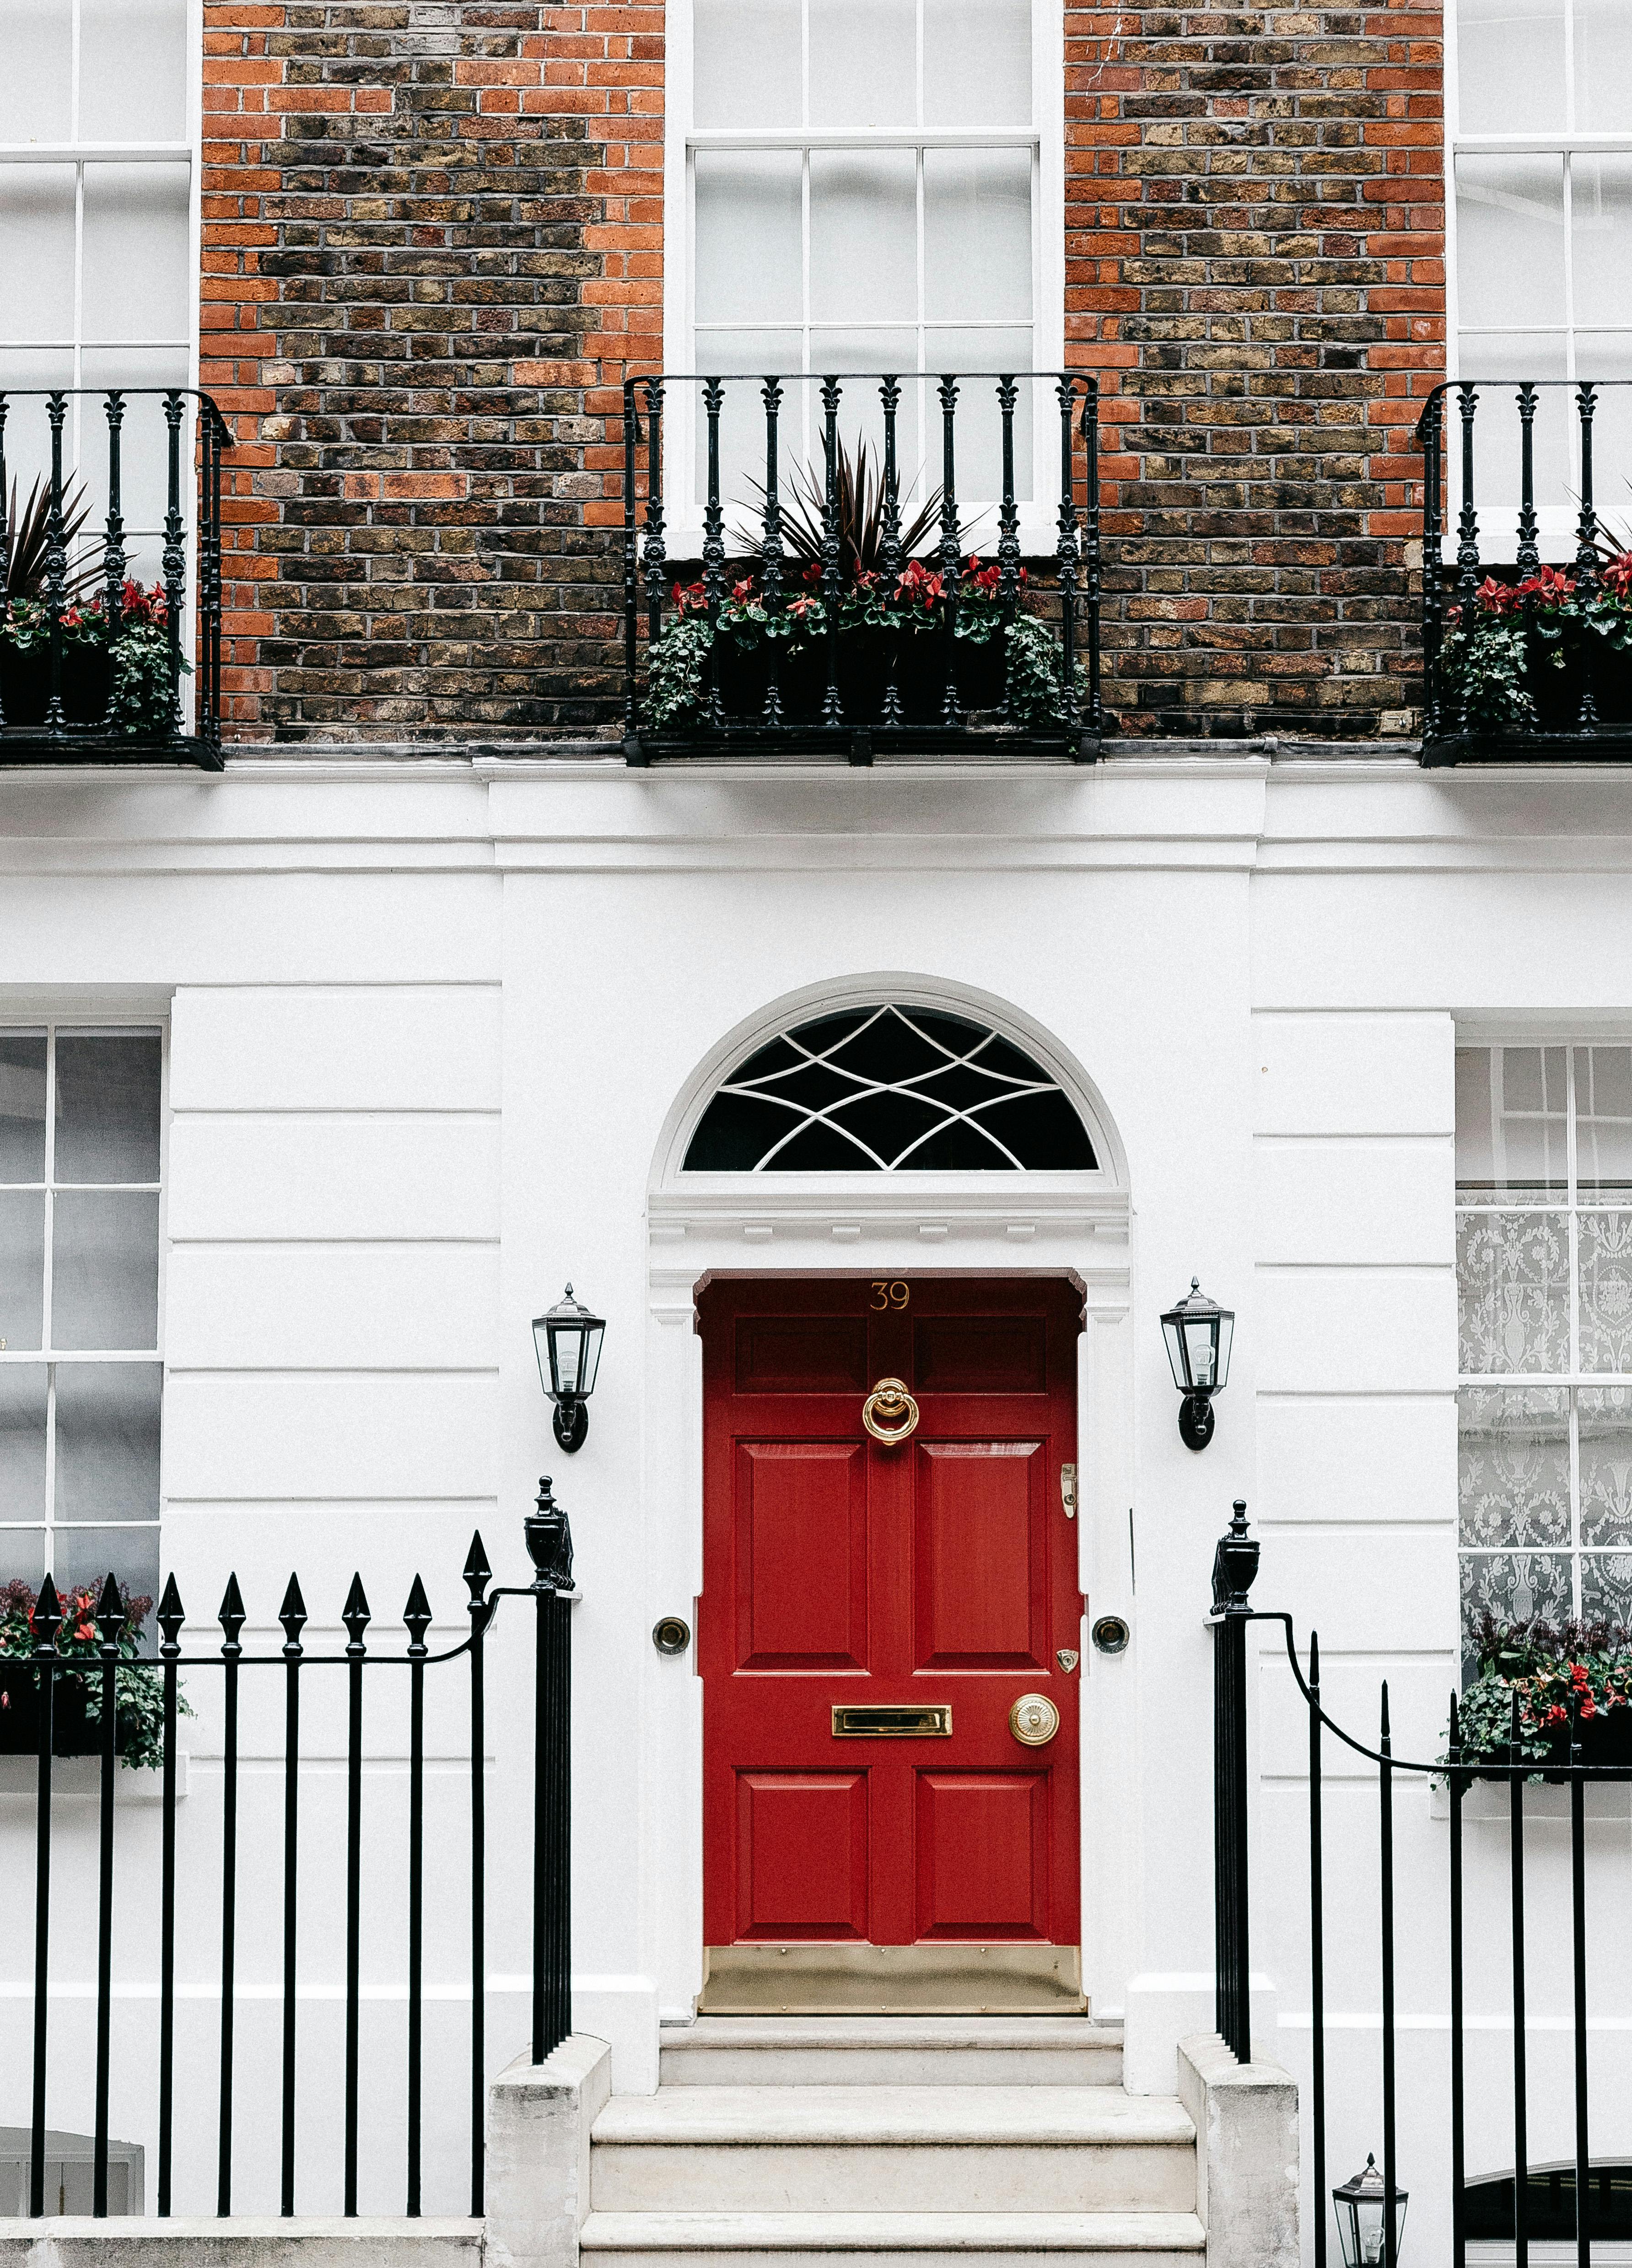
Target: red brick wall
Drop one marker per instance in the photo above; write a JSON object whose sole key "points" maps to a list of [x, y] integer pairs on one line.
{"points": [[430, 236], [1255, 260], [433, 240]]}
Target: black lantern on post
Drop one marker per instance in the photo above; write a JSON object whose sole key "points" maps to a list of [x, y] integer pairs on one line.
{"points": [[1198, 1332], [1362, 2219], [568, 1345]]}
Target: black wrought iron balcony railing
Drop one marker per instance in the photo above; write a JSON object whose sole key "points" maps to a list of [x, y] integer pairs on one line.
{"points": [[94, 653], [1527, 623], [879, 563]]}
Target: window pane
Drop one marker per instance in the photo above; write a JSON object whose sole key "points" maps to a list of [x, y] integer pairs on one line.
{"points": [[22, 1447], [745, 62], [22, 1268], [1510, 66], [1597, 357], [979, 421], [1605, 1264], [977, 63], [133, 70], [1510, 241], [108, 1441], [104, 1269], [22, 1106], [749, 256], [36, 253], [107, 1088], [129, 1555], [1606, 1587], [22, 1560], [1513, 1465], [742, 423], [137, 266], [1604, 1423], [1514, 1586], [862, 414], [863, 63], [1603, 66], [1513, 1277], [1600, 207], [1603, 1119], [1511, 1125], [863, 236], [37, 81], [977, 236]]}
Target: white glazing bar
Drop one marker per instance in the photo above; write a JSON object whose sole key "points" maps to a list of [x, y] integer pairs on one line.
{"points": [[1573, 1236], [123, 153]]}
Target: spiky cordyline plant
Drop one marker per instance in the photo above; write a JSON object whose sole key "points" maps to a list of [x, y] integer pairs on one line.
{"points": [[27, 533], [860, 502]]}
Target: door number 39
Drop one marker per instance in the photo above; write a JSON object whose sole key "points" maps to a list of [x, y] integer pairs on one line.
{"points": [[891, 1295]]}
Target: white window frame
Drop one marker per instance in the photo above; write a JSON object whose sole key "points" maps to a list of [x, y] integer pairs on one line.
{"points": [[1498, 506], [1038, 522], [83, 432], [52, 1021], [1566, 1206]]}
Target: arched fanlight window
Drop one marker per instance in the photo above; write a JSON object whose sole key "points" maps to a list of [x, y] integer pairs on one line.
{"points": [[884, 1088]]}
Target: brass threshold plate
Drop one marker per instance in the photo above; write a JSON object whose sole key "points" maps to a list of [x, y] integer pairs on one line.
{"points": [[892, 1980], [923, 1720]]}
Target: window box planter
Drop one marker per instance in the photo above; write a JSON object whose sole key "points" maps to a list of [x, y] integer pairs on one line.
{"points": [[1005, 663], [1573, 1684], [114, 680], [75, 1721], [1547, 659]]}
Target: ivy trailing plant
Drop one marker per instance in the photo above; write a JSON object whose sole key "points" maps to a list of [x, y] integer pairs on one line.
{"points": [[139, 1692], [1498, 648], [1561, 1673]]}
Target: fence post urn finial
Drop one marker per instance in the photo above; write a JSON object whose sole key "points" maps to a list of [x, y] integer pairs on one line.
{"points": [[1235, 1564], [549, 1541]]}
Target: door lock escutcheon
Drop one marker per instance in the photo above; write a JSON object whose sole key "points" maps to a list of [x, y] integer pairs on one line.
{"points": [[1067, 1490]]}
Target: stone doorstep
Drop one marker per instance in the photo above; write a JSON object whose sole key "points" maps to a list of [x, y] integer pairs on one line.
{"points": [[891, 2240], [243, 2241]]}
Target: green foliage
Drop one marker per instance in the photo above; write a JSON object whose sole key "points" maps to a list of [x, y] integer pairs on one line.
{"points": [[1485, 664], [1037, 675], [139, 702], [859, 514], [675, 667]]}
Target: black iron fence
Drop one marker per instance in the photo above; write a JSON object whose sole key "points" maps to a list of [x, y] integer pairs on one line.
{"points": [[1526, 570], [94, 663], [857, 576], [1594, 2202], [120, 1686]]}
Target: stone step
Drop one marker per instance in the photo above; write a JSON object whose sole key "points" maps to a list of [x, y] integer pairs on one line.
{"points": [[891, 2050], [893, 2240], [836, 2148]]}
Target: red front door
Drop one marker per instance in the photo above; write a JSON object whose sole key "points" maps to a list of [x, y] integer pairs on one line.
{"points": [[873, 1611]]}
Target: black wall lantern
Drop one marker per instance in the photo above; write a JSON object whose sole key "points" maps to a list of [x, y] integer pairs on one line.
{"points": [[1198, 1332], [1362, 2204], [568, 1343]]}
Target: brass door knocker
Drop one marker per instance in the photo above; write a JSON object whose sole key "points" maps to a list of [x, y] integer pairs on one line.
{"points": [[889, 1412]]}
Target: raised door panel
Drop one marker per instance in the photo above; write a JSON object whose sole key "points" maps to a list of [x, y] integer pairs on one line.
{"points": [[980, 1589], [801, 1354], [802, 1591], [980, 1354], [982, 1854], [801, 1855]]}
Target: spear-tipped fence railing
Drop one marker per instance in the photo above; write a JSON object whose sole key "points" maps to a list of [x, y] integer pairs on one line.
{"points": [[94, 661], [1235, 1569], [548, 1542], [859, 552]]}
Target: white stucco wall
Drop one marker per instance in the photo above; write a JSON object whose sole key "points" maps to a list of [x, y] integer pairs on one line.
{"points": [[430, 1023]]}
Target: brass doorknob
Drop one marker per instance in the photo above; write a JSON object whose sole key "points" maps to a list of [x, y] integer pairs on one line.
{"points": [[1034, 1720], [890, 1413]]}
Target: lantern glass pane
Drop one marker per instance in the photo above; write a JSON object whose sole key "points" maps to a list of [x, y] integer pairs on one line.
{"points": [[541, 1347], [593, 1338], [1175, 1354], [567, 1342], [1201, 1344], [1226, 1333]]}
